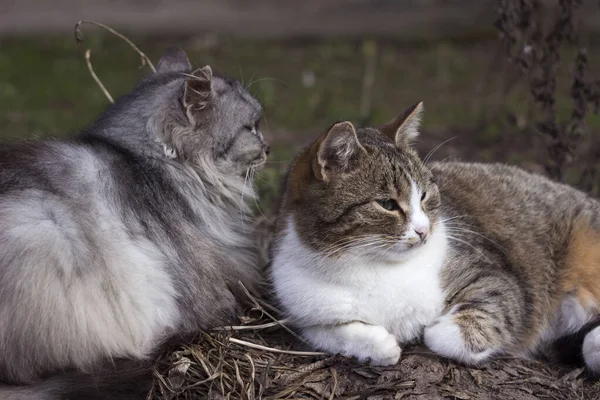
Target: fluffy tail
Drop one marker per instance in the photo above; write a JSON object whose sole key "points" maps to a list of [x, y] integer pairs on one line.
{"points": [[121, 380]]}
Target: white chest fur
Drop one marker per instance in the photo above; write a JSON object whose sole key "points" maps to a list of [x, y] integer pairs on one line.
{"points": [[316, 291]]}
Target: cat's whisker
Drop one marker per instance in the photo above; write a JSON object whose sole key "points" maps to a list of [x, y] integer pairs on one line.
{"points": [[437, 163], [460, 229], [338, 249], [436, 148], [242, 200], [365, 244], [373, 249], [265, 78], [266, 122], [358, 237], [241, 74], [366, 240], [252, 177], [279, 162], [470, 245], [355, 244], [451, 218]]}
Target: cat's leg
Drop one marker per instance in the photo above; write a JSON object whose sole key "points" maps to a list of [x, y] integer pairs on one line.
{"points": [[356, 339], [480, 322]]}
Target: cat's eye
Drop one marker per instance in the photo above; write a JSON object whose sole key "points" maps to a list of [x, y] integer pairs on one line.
{"points": [[423, 196], [389, 204]]}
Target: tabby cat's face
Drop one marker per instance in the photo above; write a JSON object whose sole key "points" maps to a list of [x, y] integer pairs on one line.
{"points": [[365, 194]]}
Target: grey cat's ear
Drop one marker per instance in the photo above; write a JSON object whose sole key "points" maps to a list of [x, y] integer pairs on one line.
{"points": [[337, 151], [405, 128], [174, 60], [198, 89]]}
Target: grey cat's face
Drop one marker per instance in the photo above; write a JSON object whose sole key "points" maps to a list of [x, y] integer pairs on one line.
{"points": [[236, 122], [212, 119], [360, 193]]}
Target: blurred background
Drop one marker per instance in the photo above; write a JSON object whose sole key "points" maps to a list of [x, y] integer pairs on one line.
{"points": [[512, 80]]}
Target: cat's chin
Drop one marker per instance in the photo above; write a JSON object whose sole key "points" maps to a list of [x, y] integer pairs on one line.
{"points": [[258, 164], [254, 166]]}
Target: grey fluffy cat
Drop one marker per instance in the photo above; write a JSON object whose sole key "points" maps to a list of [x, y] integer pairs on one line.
{"points": [[375, 249], [136, 230]]}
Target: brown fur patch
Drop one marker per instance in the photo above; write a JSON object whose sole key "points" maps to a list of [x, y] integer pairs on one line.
{"points": [[582, 264]]}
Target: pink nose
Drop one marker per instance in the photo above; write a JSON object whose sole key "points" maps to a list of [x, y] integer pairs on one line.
{"points": [[422, 231]]}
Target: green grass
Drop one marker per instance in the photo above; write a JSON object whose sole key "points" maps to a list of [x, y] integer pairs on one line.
{"points": [[47, 91]]}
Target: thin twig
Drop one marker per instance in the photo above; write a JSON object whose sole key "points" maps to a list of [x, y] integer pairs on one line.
{"points": [[79, 39], [250, 327], [258, 306], [273, 350], [335, 383], [88, 61]]}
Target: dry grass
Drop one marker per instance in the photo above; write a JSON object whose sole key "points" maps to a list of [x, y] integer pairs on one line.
{"points": [[215, 366], [262, 358]]}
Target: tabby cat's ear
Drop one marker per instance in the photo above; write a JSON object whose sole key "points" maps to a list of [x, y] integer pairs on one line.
{"points": [[198, 89], [405, 128], [174, 60], [337, 151]]}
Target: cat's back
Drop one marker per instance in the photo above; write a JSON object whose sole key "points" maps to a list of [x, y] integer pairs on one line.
{"points": [[496, 178], [63, 243], [509, 195], [57, 168]]}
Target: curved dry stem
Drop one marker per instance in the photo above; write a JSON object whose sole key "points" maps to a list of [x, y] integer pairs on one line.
{"points": [[88, 61], [79, 39], [275, 320], [274, 350]]}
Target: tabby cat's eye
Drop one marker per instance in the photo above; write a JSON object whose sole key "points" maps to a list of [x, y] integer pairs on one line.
{"points": [[423, 196], [389, 205]]}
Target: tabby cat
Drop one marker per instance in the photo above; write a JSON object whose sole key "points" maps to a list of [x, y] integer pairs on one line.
{"points": [[136, 230], [374, 249]]}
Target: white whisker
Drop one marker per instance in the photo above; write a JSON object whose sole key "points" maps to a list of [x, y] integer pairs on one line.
{"points": [[436, 148], [470, 245]]}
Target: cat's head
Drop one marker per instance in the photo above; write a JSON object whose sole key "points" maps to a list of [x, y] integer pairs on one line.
{"points": [[363, 192], [204, 119]]}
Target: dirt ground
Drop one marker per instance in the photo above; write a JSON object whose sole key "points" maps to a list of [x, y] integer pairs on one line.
{"points": [[218, 367]]}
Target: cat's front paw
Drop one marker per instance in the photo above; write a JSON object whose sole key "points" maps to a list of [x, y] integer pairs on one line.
{"points": [[372, 343], [445, 337]]}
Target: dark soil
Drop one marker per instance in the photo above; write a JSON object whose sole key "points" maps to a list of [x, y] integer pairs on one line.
{"points": [[215, 368]]}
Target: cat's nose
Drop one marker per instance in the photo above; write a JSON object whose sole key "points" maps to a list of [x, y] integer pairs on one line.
{"points": [[422, 231]]}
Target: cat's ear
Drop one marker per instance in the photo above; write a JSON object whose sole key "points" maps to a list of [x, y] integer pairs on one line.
{"points": [[405, 128], [337, 151], [198, 89], [174, 60]]}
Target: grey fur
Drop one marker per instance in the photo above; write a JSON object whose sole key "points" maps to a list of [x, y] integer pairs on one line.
{"points": [[136, 230]]}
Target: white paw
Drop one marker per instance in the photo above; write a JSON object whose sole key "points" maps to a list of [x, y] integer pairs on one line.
{"points": [[445, 338], [591, 350], [371, 343]]}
